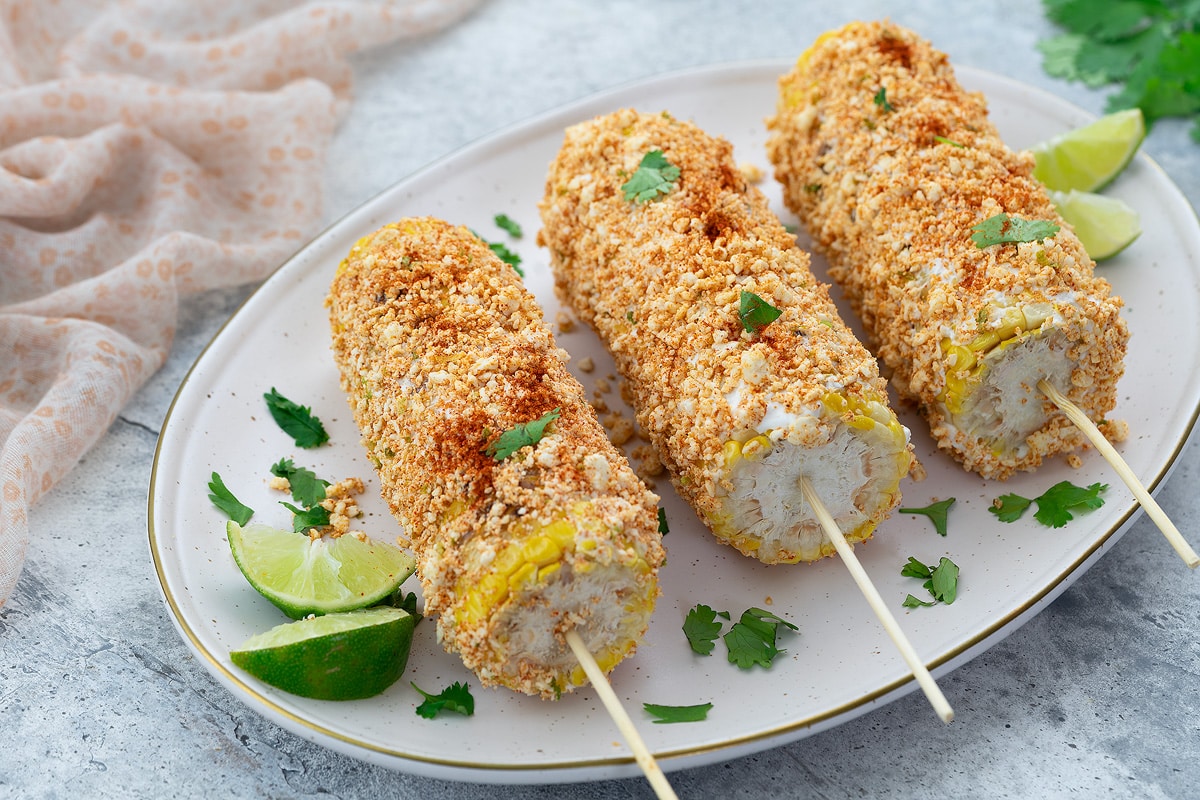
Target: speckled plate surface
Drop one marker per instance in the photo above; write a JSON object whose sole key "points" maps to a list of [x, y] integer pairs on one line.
{"points": [[840, 665]]}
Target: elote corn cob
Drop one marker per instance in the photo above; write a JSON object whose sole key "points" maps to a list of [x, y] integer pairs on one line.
{"points": [[893, 168], [445, 359], [737, 413]]}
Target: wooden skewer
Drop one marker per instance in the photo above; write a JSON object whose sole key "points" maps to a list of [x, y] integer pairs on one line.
{"points": [[938, 700], [653, 772], [1153, 509]]}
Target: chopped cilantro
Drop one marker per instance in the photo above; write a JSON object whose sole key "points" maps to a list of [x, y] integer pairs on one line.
{"points": [[1150, 47], [915, 602], [1054, 506], [655, 175], [937, 513], [751, 640], [756, 313], [456, 697], [666, 714], [520, 435], [306, 518], [507, 224], [941, 581], [944, 140], [296, 421], [702, 629], [507, 256], [1002, 228], [223, 499], [663, 528], [882, 101], [307, 489]]}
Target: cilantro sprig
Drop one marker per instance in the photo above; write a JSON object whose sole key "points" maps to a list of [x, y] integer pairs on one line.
{"points": [[1054, 506], [940, 581], [307, 489], [456, 697], [938, 513], [296, 420], [1003, 228], [654, 176], [223, 499], [881, 100], [668, 714], [702, 629], [756, 313], [507, 224], [1150, 48], [520, 435]]}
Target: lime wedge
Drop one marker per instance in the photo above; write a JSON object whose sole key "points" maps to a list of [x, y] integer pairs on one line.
{"points": [[345, 656], [317, 576], [1104, 225], [1087, 158]]}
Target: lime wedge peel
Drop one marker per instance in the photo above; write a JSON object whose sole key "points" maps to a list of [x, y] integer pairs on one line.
{"points": [[342, 656], [1090, 157], [1105, 225], [304, 576]]}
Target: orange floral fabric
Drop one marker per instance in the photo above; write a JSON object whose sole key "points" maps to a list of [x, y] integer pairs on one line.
{"points": [[149, 149]]}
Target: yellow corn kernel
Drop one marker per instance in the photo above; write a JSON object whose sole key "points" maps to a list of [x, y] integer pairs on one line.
{"points": [[835, 403], [862, 423], [958, 357], [562, 532], [545, 572], [756, 448], [523, 573], [732, 453], [541, 550], [984, 341]]}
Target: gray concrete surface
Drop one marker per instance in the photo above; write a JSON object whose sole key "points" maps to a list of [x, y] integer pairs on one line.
{"points": [[1098, 696]]}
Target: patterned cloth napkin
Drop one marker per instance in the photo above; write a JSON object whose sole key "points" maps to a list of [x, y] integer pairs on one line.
{"points": [[149, 149]]}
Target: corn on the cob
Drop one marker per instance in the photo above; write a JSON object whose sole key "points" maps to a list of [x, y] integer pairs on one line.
{"points": [[890, 164], [736, 416], [441, 349]]}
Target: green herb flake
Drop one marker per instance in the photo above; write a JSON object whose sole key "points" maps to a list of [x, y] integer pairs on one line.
{"points": [[1054, 506], [756, 313], [307, 489], [663, 528], [915, 602], [881, 100], [752, 639], [654, 176], [510, 226], [1002, 228], [701, 628], [456, 697], [938, 513], [296, 420], [521, 435], [668, 714], [507, 256], [223, 499], [951, 142]]}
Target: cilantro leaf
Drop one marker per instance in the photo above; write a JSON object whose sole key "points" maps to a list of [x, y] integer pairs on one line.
{"points": [[752, 638], [941, 581], [507, 256], [1010, 507], [455, 697], [1057, 502], [1002, 228], [937, 513], [882, 101], [520, 435], [667, 714], [951, 142], [702, 629], [296, 421], [945, 581], [756, 313], [306, 518], [1054, 506], [654, 175], [223, 499], [307, 489], [663, 528], [509, 225]]}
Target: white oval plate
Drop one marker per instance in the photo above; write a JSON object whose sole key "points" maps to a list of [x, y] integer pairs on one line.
{"points": [[840, 665]]}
